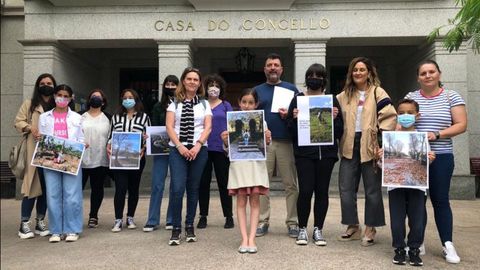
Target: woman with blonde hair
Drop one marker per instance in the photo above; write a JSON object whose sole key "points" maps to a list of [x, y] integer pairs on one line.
{"points": [[366, 110]]}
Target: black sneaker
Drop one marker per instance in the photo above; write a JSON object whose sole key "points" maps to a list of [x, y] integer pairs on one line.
{"points": [[202, 222], [228, 223], [93, 222], [399, 257], [414, 256], [41, 227], [190, 234], [175, 238], [25, 232]]}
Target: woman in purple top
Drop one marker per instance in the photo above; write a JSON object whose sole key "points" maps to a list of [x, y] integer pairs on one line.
{"points": [[215, 86]]}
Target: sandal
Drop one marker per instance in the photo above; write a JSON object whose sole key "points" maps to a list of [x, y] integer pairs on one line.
{"points": [[93, 222], [369, 240], [353, 233]]}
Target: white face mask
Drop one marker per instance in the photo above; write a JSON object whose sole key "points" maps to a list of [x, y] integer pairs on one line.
{"points": [[213, 91]]}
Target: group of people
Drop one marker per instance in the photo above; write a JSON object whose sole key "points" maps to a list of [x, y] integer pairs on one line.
{"points": [[193, 110]]}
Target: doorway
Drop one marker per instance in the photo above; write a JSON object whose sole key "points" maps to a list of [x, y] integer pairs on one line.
{"points": [[145, 82]]}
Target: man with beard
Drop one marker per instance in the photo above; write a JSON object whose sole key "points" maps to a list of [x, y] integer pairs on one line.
{"points": [[280, 151]]}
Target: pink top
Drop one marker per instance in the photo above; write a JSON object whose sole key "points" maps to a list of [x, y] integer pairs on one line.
{"points": [[60, 125]]}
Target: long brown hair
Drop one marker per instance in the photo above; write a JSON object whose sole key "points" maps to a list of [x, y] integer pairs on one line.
{"points": [[372, 80], [180, 93]]}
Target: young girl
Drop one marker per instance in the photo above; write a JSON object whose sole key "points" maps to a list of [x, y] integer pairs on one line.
{"points": [[64, 191], [246, 187]]}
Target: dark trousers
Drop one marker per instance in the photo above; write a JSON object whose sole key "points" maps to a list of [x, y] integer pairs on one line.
{"points": [[313, 177], [220, 163], [407, 202], [349, 179], [29, 203], [127, 180], [97, 176], [440, 176]]}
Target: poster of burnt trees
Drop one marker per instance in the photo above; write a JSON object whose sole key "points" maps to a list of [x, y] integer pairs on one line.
{"points": [[315, 120], [405, 159], [246, 135], [125, 152], [157, 141], [58, 154]]}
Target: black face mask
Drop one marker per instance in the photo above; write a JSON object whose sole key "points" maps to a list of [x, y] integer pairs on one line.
{"points": [[45, 90], [95, 102], [170, 92], [315, 83]]}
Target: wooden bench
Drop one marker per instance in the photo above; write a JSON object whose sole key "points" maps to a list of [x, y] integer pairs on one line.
{"points": [[7, 181]]}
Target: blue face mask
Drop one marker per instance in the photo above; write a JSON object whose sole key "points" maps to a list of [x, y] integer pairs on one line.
{"points": [[406, 120], [128, 103]]}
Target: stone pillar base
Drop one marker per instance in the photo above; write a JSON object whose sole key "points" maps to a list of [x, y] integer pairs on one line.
{"points": [[463, 187]]}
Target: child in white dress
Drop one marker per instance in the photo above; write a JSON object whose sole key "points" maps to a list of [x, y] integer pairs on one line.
{"points": [[248, 180]]}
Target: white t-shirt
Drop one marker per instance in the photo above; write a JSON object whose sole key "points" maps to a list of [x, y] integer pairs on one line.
{"points": [[358, 120], [199, 113], [96, 131]]}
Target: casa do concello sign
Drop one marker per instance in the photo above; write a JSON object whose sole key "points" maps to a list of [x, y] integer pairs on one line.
{"points": [[292, 24]]}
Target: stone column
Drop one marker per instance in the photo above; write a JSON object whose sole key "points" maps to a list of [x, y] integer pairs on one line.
{"points": [[173, 58], [454, 76], [307, 52]]}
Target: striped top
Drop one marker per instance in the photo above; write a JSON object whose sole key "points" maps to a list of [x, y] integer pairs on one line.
{"points": [[121, 123], [435, 115]]}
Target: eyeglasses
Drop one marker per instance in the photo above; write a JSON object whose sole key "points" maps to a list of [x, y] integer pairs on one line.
{"points": [[190, 69]]}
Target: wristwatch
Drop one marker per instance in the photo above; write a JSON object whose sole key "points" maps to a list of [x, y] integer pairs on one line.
{"points": [[437, 135]]}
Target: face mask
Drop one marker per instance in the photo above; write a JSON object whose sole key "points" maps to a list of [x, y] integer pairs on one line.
{"points": [[213, 91], [169, 91], [406, 120], [315, 83], [95, 102], [128, 103], [62, 102], [45, 90]]}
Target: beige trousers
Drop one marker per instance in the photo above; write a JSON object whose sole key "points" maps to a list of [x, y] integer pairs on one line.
{"points": [[280, 153]]}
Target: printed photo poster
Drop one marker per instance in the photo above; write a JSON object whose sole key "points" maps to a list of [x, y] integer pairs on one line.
{"points": [[405, 159], [157, 141], [281, 98], [125, 150], [58, 154], [246, 135], [315, 120]]}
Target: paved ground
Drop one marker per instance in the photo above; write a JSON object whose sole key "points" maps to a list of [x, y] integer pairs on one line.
{"points": [[216, 247]]}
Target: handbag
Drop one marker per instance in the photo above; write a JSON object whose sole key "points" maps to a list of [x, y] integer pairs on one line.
{"points": [[17, 160]]}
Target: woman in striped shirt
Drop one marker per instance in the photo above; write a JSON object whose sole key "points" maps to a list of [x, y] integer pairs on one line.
{"points": [[130, 117], [188, 123], [443, 116]]}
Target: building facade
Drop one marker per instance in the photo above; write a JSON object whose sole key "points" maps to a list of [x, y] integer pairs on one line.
{"points": [[118, 44]]}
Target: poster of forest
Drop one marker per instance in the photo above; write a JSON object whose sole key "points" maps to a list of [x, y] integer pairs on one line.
{"points": [[405, 159]]}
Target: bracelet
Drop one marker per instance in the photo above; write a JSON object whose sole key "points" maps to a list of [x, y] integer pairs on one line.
{"points": [[200, 142], [178, 145]]}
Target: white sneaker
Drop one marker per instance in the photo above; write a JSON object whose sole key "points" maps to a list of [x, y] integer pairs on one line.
{"points": [[55, 238], [131, 223], [71, 237], [450, 253], [117, 226], [422, 249]]}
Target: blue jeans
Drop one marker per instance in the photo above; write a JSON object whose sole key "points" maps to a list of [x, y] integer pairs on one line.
{"points": [[65, 201], [185, 175], [28, 203], [441, 171], [159, 173]]}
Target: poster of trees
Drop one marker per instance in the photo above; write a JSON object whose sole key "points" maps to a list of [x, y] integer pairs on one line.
{"points": [[315, 120], [405, 159], [125, 153], [246, 135], [58, 154]]}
